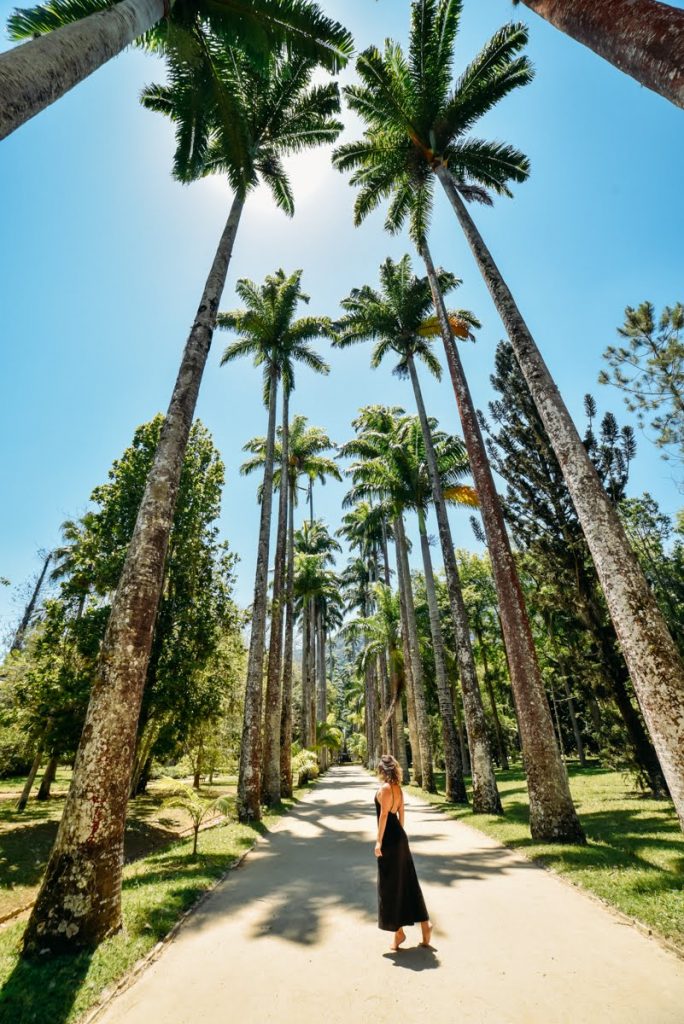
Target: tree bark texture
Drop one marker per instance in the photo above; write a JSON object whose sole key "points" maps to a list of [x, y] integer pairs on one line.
{"points": [[552, 813], [500, 740], [30, 779], [286, 712], [48, 778], [79, 902], [422, 724], [36, 73], [643, 38], [249, 774], [455, 789], [655, 666], [274, 695], [486, 798]]}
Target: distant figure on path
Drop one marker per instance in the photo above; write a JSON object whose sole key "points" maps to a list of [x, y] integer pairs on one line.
{"points": [[400, 900]]}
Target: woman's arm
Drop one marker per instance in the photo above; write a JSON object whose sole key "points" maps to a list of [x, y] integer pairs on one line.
{"points": [[385, 804]]}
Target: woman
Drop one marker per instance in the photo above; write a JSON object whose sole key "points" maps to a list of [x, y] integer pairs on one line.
{"points": [[400, 900]]}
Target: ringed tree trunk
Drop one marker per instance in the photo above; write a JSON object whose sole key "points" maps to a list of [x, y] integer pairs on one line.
{"points": [[643, 38], [552, 814], [36, 73], [79, 902], [454, 782], [18, 641], [486, 798], [654, 663], [306, 675], [48, 778], [249, 774], [321, 695], [286, 708], [386, 736], [422, 724], [500, 739], [313, 615], [408, 677], [274, 701]]}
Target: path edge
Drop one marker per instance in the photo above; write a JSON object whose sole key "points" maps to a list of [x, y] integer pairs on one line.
{"points": [[620, 915], [108, 996]]}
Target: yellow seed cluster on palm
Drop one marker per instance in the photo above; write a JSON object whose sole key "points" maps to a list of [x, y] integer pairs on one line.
{"points": [[430, 328], [462, 494]]}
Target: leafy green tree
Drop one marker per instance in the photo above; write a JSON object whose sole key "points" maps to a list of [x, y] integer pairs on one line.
{"points": [[555, 554], [418, 130], [69, 39], [270, 333], [649, 370]]}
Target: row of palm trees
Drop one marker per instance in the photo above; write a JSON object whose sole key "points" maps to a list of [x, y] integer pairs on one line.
{"points": [[238, 114], [68, 42], [418, 132]]}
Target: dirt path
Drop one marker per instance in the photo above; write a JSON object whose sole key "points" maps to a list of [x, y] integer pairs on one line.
{"points": [[292, 935]]}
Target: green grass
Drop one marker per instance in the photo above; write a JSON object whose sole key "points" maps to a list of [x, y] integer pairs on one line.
{"points": [[157, 890], [634, 857], [26, 838]]}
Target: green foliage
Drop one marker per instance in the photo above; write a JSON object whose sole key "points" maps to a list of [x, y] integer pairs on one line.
{"points": [[649, 370], [418, 118], [15, 751], [358, 746], [198, 808], [305, 766]]}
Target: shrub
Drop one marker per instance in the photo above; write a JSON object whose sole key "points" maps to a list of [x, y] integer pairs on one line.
{"points": [[305, 766]]}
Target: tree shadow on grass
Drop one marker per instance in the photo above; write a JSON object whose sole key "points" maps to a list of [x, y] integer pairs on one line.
{"points": [[43, 991]]}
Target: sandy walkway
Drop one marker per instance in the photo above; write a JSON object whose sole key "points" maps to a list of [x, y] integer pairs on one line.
{"points": [[291, 936]]}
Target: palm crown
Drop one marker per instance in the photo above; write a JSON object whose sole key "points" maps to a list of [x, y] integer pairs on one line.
{"points": [[257, 26], [417, 117], [269, 331], [399, 317], [239, 117]]}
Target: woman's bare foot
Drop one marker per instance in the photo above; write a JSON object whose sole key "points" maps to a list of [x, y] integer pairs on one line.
{"points": [[427, 933], [399, 937]]}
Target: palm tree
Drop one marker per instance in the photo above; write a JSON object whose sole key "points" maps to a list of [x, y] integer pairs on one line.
{"points": [[270, 333], [314, 547], [69, 39], [401, 321], [80, 899], [643, 38], [418, 127], [401, 473]]}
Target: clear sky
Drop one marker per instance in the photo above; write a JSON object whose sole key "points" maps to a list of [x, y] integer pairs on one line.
{"points": [[103, 259]]}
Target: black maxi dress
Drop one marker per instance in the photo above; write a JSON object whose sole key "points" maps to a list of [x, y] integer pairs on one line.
{"points": [[400, 900]]}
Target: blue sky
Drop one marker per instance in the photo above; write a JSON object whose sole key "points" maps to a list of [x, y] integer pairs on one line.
{"points": [[104, 258]]}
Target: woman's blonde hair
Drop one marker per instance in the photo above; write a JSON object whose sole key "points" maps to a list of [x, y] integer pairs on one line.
{"points": [[389, 769]]}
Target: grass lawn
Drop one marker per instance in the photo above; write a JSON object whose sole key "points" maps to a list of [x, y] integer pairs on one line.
{"points": [[634, 857], [26, 839], [157, 889]]}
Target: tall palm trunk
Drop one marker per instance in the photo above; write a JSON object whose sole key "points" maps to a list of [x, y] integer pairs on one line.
{"points": [[306, 675], [311, 738], [485, 793], [321, 695], [654, 663], [643, 38], [454, 782], [35, 74], [274, 696], [552, 813], [249, 774], [286, 712], [500, 741], [386, 731], [18, 640], [422, 724], [408, 675], [80, 899]]}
